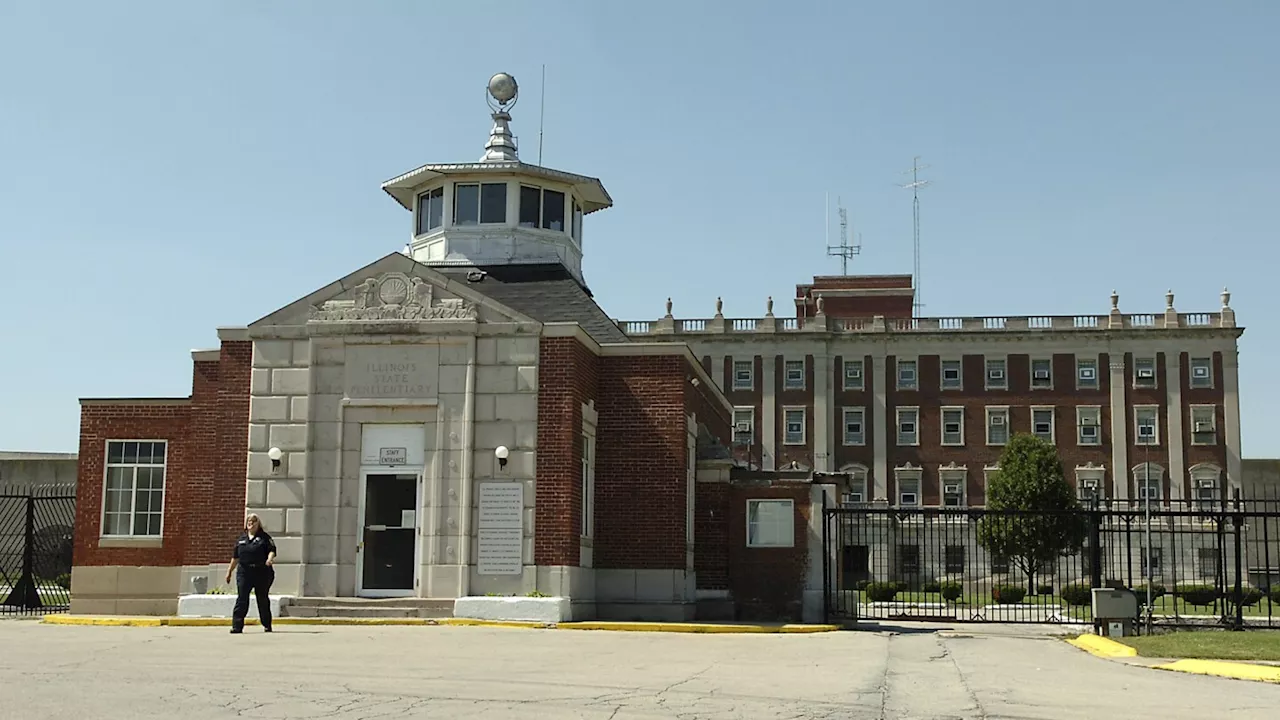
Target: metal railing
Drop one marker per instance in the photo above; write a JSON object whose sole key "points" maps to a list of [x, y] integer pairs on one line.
{"points": [[36, 539], [1210, 563]]}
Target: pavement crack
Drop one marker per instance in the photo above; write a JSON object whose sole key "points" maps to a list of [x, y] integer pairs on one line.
{"points": [[964, 682]]}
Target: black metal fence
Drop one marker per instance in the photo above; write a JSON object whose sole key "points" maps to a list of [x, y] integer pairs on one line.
{"points": [[37, 526], [1191, 563]]}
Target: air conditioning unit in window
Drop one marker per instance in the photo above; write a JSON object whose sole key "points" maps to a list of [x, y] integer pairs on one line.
{"points": [[1146, 373], [1206, 484], [1089, 431], [951, 489], [1088, 422], [997, 419], [1042, 374], [853, 373], [743, 427], [1090, 483], [1204, 427], [1086, 373], [1146, 431], [1200, 372], [995, 374], [908, 498]]}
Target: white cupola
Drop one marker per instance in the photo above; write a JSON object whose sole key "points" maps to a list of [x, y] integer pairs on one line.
{"points": [[499, 210]]}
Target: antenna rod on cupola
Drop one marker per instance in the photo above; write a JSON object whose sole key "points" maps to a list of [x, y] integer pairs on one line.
{"points": [[914, 186], [542, 112]]}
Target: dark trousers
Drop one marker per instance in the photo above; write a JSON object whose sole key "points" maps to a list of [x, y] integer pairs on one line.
{"points": [[257, 578]]}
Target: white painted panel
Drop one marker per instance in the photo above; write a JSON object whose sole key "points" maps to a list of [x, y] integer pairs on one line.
{"points": [[393, 445]]}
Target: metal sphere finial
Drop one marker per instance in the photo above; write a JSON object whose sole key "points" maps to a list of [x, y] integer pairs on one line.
{"points": [[504, 89]]}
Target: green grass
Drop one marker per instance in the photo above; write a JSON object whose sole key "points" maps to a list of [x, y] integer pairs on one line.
{"points": [[1208, 645]]}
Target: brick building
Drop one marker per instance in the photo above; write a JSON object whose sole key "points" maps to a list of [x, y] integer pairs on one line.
{"points": [[462, 419]]}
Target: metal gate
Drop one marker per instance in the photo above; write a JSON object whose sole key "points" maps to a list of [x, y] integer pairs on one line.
{"points": [[36, 539], [1208, 563]]}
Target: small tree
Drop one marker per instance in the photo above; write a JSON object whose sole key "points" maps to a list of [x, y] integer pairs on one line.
{"points": [[1030, 480]]}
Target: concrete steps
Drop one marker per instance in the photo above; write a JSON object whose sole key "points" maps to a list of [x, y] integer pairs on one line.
{"points": [[348, 607]]}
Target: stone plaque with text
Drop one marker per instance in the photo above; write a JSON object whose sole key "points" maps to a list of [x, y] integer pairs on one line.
{"points": [[501, 528], [377, 372]]}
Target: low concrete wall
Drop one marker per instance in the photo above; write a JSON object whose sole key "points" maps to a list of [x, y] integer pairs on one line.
{"points": [[123, 590], [221, 606], [524, 609]]}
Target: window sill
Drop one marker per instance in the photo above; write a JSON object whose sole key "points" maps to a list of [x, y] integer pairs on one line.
{"points": [[770, 547], [130, 542]]}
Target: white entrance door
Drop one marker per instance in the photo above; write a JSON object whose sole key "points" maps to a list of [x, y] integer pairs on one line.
{"points": [[387, 554]]}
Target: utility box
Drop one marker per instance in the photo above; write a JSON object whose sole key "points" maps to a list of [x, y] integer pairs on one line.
{"points": [[1115, 611]]}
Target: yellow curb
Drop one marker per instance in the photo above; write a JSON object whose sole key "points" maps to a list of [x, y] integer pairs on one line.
{"points": [[471, 622], [710, 628], [1102, 647], [104, 621], [1219, 668]]}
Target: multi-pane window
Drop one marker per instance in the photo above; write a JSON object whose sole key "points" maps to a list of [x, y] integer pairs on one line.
{"points": [[793, 379], [857, 490], [1209, 561], [908, 426], [541, 208], [1202, 372], [1152, 560], [1144, 372], [743, 425], [793, 430], [855, 431], [1042, 373], [907, 379], [1203, 425], [743, 374], [997, 377], [1042, 423], [430, 210], [953, 491], [954, 558], [1146, 422], [1089, 425], [999, 565], [1086, 374], [952, 426], [853, 375], [909, 559], [1088, 488], [134, 502], [588, 483], [480, 204], [997, 425], [951, 376], [1149, 485], [770, 523], [908, 491]]}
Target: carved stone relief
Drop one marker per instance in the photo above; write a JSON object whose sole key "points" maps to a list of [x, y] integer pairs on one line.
{"points": [[393, 296]]}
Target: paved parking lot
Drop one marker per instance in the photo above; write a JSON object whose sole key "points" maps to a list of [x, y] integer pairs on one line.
{"points": [[423, 672]]}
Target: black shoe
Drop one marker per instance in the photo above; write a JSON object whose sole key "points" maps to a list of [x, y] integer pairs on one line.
{"points": [[236, 631], [266, 629]]}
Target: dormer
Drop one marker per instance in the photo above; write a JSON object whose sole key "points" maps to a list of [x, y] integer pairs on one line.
{"points": [[499, 210]]}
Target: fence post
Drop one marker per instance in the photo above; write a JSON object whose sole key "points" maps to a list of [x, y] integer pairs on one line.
{"points": [[25, 594], [826, 561], [1237, 521], [1095, 548]]}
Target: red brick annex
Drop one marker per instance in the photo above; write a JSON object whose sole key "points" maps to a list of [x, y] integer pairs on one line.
{"points": [[462, 420]]}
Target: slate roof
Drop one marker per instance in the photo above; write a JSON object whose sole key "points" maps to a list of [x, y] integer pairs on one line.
{"points": [[546, 293]]}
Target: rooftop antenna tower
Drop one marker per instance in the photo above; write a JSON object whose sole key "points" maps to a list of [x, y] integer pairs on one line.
{"points": [[844, 250], [914, 186], [542, 111]]}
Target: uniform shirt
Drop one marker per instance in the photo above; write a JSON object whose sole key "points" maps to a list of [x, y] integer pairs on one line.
{"points": [[253, 551]]}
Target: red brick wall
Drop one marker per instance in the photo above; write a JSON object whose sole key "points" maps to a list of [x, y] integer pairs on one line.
{"points": [[131, 420], [865, 399], [641, 459], [1196, 454], [767, 584], [711, 535], [802, 454], [701, 402], [202, 472], [225, 515], [752, 453], [1157, 454], [568, 375], [860, 307]]}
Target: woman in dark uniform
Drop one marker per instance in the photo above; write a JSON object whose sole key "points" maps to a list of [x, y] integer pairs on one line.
{"points": [[252, 562]]}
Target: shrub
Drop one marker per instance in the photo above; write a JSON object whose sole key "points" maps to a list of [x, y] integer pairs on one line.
{"points": [[63, 581], [861, 585], [1078, 594], [1008, 594], [1157, 591], [901, 586], [882, 591], [1045, 589], [1248, 596], [1275, 594], [933, 586], [951, 591], [1198, 594]]}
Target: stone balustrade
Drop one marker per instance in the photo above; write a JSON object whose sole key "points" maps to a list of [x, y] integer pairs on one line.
{"points": [[821, 323]]}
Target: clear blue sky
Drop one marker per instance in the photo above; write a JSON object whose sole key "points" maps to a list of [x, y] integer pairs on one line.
{"points": [[167, 168]]}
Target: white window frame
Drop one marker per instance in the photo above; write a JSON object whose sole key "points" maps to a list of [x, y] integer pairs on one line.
{"points": [[566, 212], [1205, 476], [903, 364], [1090, 476], [479, 185], [954, 385], [1002, 363], [1141, 481], [738, 382], [804, 422], [954, 409], [787, 367], [858, 485], [1204, 382], [1037, 383], [423, 214], [1053, 421], [953, 475], [751, 422], [860, 439], [588, 480], [1087, 366], [1155, 424], [998, 411], [1202, 410], [897, 426], [1093, 413], [785, 531], [1144, 382], [133, 467], [909, 477], [857, 367]]}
